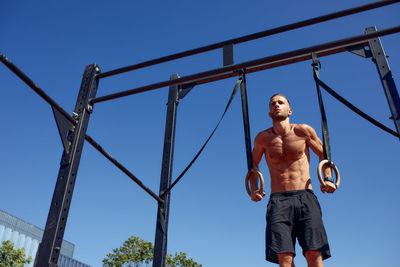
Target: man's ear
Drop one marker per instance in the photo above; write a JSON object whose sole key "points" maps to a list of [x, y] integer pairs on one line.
{"points": [[269, 114], [290, 111]]}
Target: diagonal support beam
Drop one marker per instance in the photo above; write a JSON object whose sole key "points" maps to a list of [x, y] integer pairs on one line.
{"points": [[35, 88], [66, 124], [122, 168]]}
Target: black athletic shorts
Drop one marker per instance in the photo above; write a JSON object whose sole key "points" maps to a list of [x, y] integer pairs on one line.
{"points": [[291, 215]]}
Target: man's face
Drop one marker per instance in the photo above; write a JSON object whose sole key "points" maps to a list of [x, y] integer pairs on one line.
{"points": [[279, 108]]}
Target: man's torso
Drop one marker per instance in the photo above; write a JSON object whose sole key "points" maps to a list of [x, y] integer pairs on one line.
{"points": [[287, 158]]}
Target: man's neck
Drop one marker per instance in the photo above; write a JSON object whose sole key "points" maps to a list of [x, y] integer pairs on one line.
{"points": [[281, 127]]}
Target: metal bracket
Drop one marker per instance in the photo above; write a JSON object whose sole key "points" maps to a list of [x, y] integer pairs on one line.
{"points": [[316, 63], [360, 51], [185, 90], [65, 127], [89, 107]]}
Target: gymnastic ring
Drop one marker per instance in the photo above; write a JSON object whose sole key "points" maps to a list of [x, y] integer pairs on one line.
{"points": [[335, 169], [260, 177]]}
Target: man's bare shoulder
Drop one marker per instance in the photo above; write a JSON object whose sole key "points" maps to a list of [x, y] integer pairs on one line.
{"points": [[303, 130], [264, 135]]}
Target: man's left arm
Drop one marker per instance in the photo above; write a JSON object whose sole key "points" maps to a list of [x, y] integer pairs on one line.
{"points": [[316, 146]]}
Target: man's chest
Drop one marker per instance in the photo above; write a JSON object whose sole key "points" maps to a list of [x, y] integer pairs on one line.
{"points": [[285, 148]]}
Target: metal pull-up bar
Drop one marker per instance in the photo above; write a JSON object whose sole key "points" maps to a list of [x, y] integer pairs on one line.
{"points": [[258, 64], [250, 37]]}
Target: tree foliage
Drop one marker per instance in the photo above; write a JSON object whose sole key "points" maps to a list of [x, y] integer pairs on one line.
{"points": [[10, 257], [135, 252], [181, 259]]}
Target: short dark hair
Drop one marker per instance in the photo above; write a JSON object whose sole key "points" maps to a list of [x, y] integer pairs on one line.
{"points": [[270, 99]]}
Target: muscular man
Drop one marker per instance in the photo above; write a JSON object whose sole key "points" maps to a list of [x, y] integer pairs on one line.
{"points": [[293, 210]]}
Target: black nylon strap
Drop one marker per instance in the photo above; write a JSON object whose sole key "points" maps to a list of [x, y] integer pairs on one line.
{"points": [[354, 108], [246, 121], [238, 83], [324, 123]]}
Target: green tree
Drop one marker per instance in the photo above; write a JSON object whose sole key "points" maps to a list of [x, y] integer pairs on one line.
{"points": [[182, 260], [135, 252], [10, 257]]}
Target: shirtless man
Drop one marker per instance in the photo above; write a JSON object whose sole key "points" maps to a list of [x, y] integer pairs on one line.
{"points": [[293, 210]]}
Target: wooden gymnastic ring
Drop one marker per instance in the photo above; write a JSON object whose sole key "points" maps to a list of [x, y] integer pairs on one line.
{"points": [[335, 169], [260, 177]]}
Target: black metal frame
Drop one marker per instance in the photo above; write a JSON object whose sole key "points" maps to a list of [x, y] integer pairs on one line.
{"points": [[274, 61], [73, 128], [385, 74], [160, 244], [50, 246]]}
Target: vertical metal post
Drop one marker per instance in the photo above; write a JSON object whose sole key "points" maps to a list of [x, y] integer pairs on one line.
{"points": [[49, 248], [246, 121], [385, 74], [227, 53], [160, 244]]}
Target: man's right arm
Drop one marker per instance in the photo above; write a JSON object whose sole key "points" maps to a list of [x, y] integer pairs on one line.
{"points": [[257, 154], [316, 145], [258, 150]]}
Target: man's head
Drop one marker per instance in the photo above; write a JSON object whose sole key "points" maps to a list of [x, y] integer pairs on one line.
{"points": [[279, 107]]}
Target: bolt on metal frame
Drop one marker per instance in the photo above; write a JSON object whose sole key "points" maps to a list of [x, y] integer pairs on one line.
{"points": [[73, 128]]}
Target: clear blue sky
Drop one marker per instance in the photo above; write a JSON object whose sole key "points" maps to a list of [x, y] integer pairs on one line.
{"points": [[212, 217]]}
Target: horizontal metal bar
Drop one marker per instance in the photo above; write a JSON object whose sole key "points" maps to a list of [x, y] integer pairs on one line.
{"points": [[250, 37], [122, 168], [258, 64], [35, 88]]}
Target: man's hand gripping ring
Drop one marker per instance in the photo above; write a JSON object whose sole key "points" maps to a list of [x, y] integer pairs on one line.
{"points": [[335, 169], [252, 172]]}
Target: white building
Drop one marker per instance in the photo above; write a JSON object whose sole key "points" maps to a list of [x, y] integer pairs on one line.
{"points": [[27, 236]]}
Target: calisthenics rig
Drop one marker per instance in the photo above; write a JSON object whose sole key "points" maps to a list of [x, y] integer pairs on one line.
{"points": [[72, 128]]}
